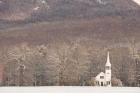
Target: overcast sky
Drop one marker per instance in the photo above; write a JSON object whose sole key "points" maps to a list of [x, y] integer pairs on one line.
{"points": [[137, 1]]}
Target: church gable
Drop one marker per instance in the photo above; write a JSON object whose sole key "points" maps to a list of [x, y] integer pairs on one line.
{"points": [[100, 76]]}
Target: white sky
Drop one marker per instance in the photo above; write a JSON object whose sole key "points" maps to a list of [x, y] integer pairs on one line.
{"points": [[137, 1]]}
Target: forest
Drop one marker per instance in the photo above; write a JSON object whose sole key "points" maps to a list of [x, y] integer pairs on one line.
{"points": [[73, 63]]}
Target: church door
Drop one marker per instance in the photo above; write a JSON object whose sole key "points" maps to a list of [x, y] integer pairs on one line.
{"points": [[102, 84]]}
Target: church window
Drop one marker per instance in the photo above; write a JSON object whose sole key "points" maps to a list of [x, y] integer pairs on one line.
{"points": [[101, 77], [97, 83]]}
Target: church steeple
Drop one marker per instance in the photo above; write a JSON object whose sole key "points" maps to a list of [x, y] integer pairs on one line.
{"points": [[108, 70], [108, 60]]}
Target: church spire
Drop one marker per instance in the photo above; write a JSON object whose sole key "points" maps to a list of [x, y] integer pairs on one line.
{"points": [[108, 60]]}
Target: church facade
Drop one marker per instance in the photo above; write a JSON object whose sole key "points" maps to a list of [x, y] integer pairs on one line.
{"points": [[104, 78]]}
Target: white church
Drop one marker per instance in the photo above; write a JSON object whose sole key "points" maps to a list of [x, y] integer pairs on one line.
{"points": [[104, 79]]}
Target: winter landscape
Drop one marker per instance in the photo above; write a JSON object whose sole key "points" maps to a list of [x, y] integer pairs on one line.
{"points": [[70, 43]]}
